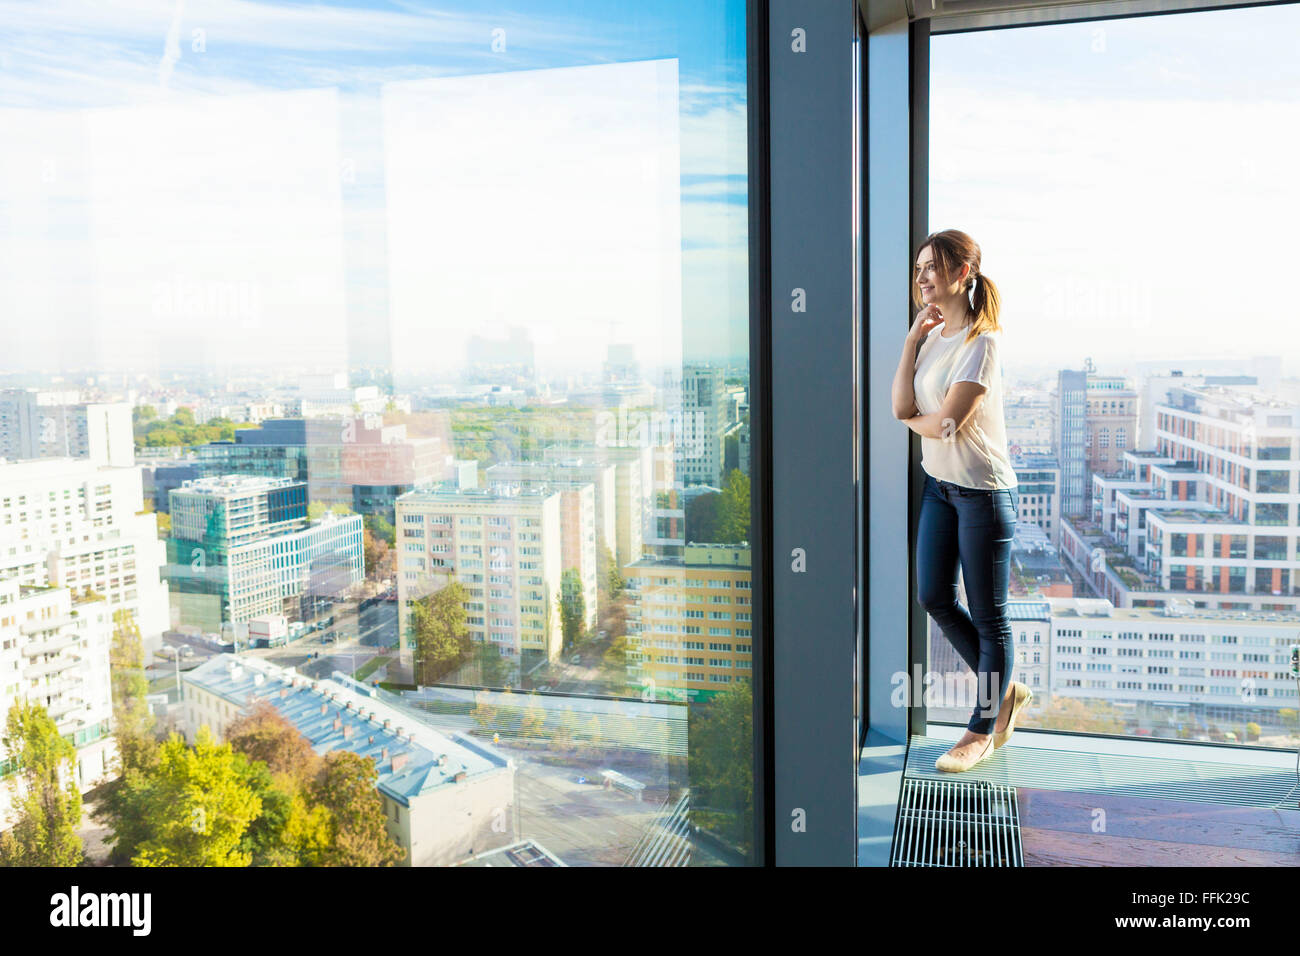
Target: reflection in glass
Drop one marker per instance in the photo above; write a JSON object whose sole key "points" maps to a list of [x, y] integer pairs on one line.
{"points": [[383, 369]]}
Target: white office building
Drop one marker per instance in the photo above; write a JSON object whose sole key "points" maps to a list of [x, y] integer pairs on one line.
{"points": [[82, 526]]}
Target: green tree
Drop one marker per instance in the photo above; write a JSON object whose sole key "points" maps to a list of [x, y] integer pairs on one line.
{"points": [[572, 607], [615, 660], [493, 669], [610, 581], [533, 720], [132, 721], [379, 558], [704, 517], [264, 735], [721, 764], [358, 835], [382, 529], [46, 800], [198, 804], [290, 830], [734, 509], [442, 641], [484, 714]]}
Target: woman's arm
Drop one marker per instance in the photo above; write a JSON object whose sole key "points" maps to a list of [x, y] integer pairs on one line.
{"points": [[904, 398], [959, 405]]}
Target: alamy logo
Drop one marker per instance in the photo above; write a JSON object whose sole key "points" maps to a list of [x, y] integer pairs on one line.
{"points": [[102, 909]]}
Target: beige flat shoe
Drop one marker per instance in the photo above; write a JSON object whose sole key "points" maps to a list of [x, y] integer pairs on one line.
{"points": [[1022, 695], [950, 764]]}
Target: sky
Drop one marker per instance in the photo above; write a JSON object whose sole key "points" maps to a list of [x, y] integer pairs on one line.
{"points": [[1131, 182], [230, 183]]}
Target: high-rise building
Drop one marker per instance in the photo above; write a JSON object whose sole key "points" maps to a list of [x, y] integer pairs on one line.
{"points": [[1069, 439], [690, 629], [633, 459], [1112, 424], [504, 546], [82, 526], [587, 513], [1039, 480], [54, 651], [45, 424], [242, 547], [705, 415]]}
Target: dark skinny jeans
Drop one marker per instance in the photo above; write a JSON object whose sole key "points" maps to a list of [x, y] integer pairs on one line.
{"points": [[974, 527]]}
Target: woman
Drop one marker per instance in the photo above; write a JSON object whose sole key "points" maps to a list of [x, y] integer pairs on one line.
{"points": [[948, 389]]}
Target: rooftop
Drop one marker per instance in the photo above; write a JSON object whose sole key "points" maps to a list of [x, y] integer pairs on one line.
{"points": [[1100, 608], [229, 485], [411, 757]]}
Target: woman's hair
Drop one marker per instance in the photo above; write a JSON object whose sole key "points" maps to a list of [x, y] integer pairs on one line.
{"points": [[952, 249]]}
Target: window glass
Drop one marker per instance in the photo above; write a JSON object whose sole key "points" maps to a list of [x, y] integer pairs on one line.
{"points": [[1124, 179], [281, 279]]}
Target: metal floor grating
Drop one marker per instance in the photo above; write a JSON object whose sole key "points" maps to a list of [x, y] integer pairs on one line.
{"points": [[949, 823], [1168, 778]]}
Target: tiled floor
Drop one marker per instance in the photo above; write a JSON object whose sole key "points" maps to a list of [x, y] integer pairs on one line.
{"points": [[1096, 802], [1064, 828]]}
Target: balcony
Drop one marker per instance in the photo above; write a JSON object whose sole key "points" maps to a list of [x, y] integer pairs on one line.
{"points": [[66, 706], [51, 645], [56, 666], [46, 624]]}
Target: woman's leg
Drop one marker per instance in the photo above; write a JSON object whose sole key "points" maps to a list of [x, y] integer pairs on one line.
{"points": [[986, 527], [937, 554]]}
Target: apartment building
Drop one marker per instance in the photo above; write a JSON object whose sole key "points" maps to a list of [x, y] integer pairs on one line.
{"points": [[705, 418], [579, 539], [79, 525], [242, 547], [690, 628], [446, 796], [1111, 414], [1211, 514], [632, 450], [1216, 664], [504, 545], [54, 651], [58, 424]]}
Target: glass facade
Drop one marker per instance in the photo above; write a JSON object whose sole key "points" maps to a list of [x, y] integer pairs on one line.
{"points": [[424, 331], [1160, 599]]}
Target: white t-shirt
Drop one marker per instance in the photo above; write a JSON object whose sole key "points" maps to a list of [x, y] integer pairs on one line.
{"points": [[976, 457]]}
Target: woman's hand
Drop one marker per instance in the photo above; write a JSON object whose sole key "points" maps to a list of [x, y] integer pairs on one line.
{"points": [[926, 319]]}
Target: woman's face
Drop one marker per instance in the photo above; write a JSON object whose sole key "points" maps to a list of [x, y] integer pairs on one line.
{"points": [[930, 283]]}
